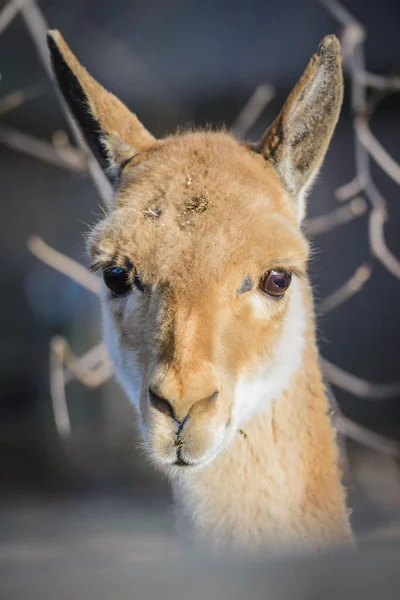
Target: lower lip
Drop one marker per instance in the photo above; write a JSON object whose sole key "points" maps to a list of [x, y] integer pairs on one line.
{"points": [[182, 463]]}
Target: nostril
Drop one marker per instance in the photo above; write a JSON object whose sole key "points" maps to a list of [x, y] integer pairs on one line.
{"points": [[160, 404]]}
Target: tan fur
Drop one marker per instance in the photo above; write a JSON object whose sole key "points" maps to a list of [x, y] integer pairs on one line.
{"points": [[297, 140], [197, 214], [280, 481], [125, 134]]}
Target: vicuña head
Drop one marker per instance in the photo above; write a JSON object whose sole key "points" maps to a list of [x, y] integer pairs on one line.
{"points": [[207, 313]]}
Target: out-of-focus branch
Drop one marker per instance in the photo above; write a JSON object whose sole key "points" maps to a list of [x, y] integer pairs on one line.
{"points": [[252, 110], [93, 370], [57, 388], [380, 82], [94, 360], [366, 143], [340, 216], [9, 12], [340, 13], [349, 190], [356, 385], [62, 263], [351, 430], [376, 150], [37, 27], [66, 158], [17, 98], [366, 437], [347, 290], [379, 247]]}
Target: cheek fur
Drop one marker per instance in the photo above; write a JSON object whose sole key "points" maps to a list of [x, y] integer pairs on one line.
{"points": [[270, 373], [127, 366]]}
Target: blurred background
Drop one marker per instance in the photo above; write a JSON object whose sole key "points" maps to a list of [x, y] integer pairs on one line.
{"points": [[179, 63]]}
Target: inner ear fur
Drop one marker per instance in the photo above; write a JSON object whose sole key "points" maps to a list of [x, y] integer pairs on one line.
{"points": [[114, 134], [296, 143]]}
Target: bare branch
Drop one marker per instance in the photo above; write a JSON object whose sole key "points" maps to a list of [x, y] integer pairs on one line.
{"points": [[57, 388], [366, 437], [64, 264], [351, 287], [95, 361], [344, 214], [91, 373], [256, 104], [376, 150], [349, 190], [380, 82], [93, 369], [38, 27], [9, 12], [340, 13], [366, 143], [356, 385], [17, 98], [379, 248], [66, 158]]}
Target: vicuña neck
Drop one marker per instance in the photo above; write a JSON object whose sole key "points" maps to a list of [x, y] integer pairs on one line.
{"points": [[278, 486]]}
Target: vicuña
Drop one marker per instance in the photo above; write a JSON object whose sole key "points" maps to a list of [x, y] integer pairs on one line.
{"points": [[208, 312]]}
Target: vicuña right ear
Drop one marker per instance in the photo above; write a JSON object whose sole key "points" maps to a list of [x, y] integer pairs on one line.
{"points": [[113, 133], [297, 141]]}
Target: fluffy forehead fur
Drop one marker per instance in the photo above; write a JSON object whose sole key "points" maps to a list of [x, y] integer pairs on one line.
{"points": [[195, 204]]}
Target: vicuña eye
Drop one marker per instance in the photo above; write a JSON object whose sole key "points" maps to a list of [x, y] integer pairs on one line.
{"points": [[275, 283], [117, 280]]}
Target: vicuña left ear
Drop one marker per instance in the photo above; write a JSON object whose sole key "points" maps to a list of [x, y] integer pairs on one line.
{"points": [[297, 141], [113, 133]]}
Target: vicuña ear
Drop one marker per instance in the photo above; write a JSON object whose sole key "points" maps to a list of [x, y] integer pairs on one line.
{"points": [[113, 133], [297, 141]]}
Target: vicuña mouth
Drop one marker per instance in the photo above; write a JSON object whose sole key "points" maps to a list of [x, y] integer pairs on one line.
{"points": [[180, 462]]}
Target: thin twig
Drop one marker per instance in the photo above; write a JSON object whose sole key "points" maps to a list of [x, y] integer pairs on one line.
{"points": [[57, 388], [37, 26], [252, 110], [380, 82], [17, 98], [94, 360], [340, 216], [350, 189], [379, 247], [351, 287], [376, 150], [66, 158], [366, 145], [356, 385], [62, 263], [351, 430], [9, 12], [339, 12], [92, 373], [366, 437], [93, 369]]}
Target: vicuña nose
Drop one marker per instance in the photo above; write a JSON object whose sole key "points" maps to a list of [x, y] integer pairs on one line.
{"points": [[180, 410]]}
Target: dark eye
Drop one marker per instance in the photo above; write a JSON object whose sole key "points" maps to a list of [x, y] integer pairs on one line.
{"points": [[117, 280], [275, 283]]}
